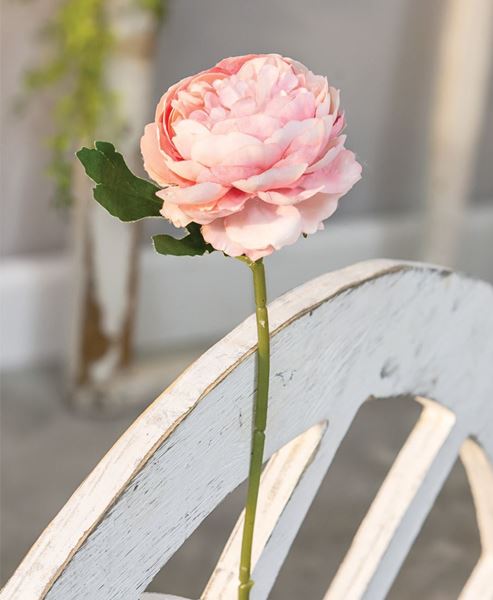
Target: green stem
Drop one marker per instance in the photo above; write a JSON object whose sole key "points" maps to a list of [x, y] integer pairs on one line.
{"points": [[259, 424]]}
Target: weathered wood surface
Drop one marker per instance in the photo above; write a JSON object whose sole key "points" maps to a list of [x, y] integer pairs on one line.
{"points": [[379, 328]]}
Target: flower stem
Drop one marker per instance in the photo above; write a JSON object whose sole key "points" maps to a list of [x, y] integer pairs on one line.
{"points": [[259, 424]]}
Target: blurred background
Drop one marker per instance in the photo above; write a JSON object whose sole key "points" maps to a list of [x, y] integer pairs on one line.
{"points": [[93, 324]]}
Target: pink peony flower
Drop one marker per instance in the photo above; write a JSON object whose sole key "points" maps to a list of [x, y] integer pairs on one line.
{"points": [[252, 150]]}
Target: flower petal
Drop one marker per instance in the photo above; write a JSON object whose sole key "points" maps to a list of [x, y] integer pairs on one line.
{"points": [[154, 158], [189, 170], [215, 234], [206, 214], [211, 150], [338, 177], [288, 196], [301, 107], [200, 193], [260, 225], [173, 213], [277, 177], [335, 146], [188, 131], [315, 210]]}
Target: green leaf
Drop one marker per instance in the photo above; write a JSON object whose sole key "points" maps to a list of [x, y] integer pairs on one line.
{"points": [[190, 245], [118, 190], [196, 235]]}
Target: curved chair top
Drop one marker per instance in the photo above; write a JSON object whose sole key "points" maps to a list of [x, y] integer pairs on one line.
{"points": [[379, 328]]}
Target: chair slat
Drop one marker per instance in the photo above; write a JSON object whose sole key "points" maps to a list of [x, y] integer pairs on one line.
{"points": [[399, 508], [280, 479], [480, 474]]}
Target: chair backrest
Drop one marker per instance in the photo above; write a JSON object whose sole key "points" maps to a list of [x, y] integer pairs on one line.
{"points": [[380, 329]]}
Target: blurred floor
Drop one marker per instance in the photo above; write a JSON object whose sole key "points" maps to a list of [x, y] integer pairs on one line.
{"points": [[46, 450]]}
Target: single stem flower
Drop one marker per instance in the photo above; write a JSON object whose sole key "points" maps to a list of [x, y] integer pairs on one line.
{"points": [[248, 157], [259, 425]]}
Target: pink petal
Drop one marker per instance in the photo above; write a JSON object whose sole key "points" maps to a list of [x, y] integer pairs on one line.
{"points": [[277, 177], [287, 82], [230, 203], [212, 150], [189, 170], [334, 148], [251, 68], [154, 158], [243, 108], [260, 225], [338, 177], [260, 125], [226, 174], [286, 134], [288, 196], [234, 63], [310, 144], [315, 210], [338, 125], [300, 108], [188, 131], [335, 100], [173, 213], [200, 193], [266, 80], [257, 155], [215, 234]]}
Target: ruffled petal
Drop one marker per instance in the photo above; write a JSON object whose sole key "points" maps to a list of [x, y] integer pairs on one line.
{"points": [[154, 159], [288, 196], [333, 149], [259, 125], [260, 225], [277, 177], [200, 193], [301, 107], [338, 177], [173, 213], [215, 234], [315, 210], [189, 170], [255, 149], [211, 150]]}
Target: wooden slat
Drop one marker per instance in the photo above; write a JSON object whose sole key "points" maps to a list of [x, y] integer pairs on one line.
{"points": [[480, 474], [400, 507], [280, 479]]}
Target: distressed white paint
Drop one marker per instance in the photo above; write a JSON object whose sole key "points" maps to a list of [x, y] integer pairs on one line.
{"points": [[279, 481], [456, 122], [379, 328], [400, 507]]}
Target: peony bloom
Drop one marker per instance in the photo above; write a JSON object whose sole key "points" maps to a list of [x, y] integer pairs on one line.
{"points": [[251, 150]]}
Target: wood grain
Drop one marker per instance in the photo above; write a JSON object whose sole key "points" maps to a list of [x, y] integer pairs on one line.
{"points": [[379, 328]]}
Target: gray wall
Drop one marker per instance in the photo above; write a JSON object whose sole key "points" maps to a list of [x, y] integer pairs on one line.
{"points": [[380, 52]]}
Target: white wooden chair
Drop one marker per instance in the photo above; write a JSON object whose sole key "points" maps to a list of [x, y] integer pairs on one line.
{"points": [[379, 328]]}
